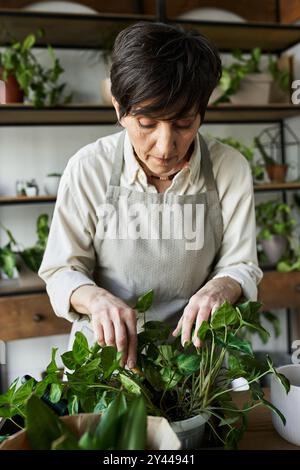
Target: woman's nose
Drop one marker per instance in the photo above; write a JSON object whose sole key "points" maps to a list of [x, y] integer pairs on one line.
{"points": [[165, 143]]}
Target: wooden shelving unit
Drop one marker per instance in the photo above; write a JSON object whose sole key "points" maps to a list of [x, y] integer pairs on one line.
{"points": [[68, 30], [83, 114], [18, 200], [288, 186]]}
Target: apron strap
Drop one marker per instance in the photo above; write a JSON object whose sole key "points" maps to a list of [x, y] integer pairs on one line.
{"points": [[206, 166], [118, 162]]}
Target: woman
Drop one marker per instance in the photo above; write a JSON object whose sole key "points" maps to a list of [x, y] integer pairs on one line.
{"points": [[155, 206]]}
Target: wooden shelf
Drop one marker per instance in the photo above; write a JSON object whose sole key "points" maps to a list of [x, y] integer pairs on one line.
{"points": [[16, 200], [28, 283], [65, 30], [269, 37], [26, 115], [280, 290], [71, 30], [83, 114], [244, 114], [288, 186]]}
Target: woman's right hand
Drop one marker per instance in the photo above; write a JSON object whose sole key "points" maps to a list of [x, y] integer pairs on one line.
{"points": [[114, 322]]}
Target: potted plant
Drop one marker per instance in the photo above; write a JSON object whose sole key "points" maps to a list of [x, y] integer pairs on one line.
{"points": [[276, 171], [185, 385], [52, 183], [248, 152], [243, 82], [38, 85], [275, 228], [33, 256]]}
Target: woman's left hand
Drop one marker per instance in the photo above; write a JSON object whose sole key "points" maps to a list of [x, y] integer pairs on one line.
{"points": [[203, 303]]}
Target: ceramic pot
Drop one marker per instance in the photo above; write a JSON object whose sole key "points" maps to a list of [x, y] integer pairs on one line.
{"points": [[190, 431], [254, 89], [274, 248], [287, 403]]}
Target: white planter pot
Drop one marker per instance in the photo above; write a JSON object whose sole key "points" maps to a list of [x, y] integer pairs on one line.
{"points": [[274, 247], [288, 404], [255, 89], [105, 91], [51, 185], [190, 431]]}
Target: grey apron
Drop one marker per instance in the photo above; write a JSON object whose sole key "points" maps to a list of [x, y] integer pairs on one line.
{"points": [[129, 267]]}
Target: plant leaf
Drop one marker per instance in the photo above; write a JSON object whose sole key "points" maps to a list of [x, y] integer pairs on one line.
{"points": [[144, 302], [80, 348], [224, 316]]}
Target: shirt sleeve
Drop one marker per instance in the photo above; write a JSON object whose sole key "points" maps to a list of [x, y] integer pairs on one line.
{"points": [[238, 256], [69, 258]]}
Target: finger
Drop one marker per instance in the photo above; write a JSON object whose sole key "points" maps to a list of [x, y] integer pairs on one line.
{"points": [[99, 335], [178, 327], [130, 323], [109, 333], [189, 316], [203, 314], [121, 340]]}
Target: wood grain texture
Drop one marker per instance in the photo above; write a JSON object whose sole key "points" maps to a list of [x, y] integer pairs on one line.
{"points": [[280, 290], [28, 316]]}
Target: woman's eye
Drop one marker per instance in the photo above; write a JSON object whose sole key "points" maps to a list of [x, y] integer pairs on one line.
{"points": [[183, 124], [146, 124]]}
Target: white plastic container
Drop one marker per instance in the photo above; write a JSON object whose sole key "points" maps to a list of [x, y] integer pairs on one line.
{"points": [[190, 431]]}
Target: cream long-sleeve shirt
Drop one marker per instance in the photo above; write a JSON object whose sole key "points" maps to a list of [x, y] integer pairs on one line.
{"points": [[69, 259]]}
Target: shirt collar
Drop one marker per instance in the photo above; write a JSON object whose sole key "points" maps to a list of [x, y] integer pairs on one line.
{"points": [[132, 166]]}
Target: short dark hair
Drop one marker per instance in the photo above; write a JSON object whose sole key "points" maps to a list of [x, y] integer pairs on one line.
{"points": [[175, 69]]}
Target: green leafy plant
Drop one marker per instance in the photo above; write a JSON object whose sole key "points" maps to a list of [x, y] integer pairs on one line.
{"points": [[56, 175], [123, 426], [33, 256], [248, 152], [8, 260], [40, 84], [175, 383], [233, 74], [274, 218]]}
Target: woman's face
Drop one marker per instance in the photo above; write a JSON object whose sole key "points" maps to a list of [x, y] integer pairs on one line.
{"points": [[161, 144]]}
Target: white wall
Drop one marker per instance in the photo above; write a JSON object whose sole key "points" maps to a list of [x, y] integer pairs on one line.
{"points": [[32, 152]]}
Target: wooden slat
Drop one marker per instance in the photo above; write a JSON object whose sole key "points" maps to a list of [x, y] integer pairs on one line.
{"points": [[71, 30], [280, 290], [29, 316], [276, 186], [25, 115], [25, 199], [289, 11]]}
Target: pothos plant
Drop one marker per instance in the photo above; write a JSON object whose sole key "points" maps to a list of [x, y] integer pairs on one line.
{"points": [[175, 382], [40, 84]]}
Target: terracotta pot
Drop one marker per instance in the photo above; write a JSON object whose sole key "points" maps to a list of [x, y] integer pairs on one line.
{"points": [[277, 173], [10, 91]]}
